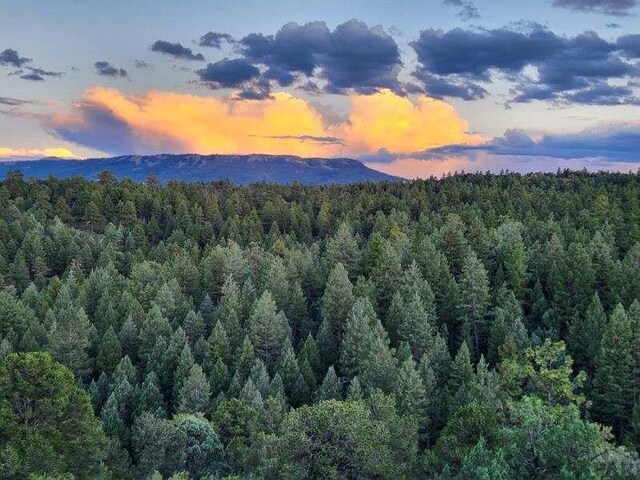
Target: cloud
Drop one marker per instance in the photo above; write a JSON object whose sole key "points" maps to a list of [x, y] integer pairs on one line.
{"points": [[34, 153], [352, 58], [612, 147], [228, 73], [629, 45], [476, 53], [308, 138], [414, 168], [141, 64], [108, 120], [38, 74], [14, 102], [107, 70], [176, 50], [468, 11], [439, 87], [215, 39], [540, 64], [11, 58], [388, 121], [618, 8], [617, 142]]}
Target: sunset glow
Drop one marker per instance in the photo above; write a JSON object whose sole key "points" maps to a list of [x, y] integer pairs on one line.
{"points": [[283, 124]]}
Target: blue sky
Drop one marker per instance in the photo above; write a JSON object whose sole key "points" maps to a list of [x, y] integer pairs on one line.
{"points": [[70, 74]]}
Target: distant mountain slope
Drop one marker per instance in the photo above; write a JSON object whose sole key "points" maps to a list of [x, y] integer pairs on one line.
{"points": [[239, 169]]}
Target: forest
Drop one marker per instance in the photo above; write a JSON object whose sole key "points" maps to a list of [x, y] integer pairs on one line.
{"points": [[475, 326]]}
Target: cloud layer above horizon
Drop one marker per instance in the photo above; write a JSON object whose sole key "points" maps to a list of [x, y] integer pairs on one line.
{"points": [[392, 97], [105, 119]]}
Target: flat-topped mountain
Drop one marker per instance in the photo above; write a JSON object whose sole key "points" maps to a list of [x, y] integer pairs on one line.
{"points": [[241, 169]]}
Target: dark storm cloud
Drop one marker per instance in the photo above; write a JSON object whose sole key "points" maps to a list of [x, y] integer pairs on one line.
{"points": [[107, 70], [215, 39], [176, 50], [618, 8], [468, 11], [353, 57], [228, 73], [12, 58], [568, 69]]}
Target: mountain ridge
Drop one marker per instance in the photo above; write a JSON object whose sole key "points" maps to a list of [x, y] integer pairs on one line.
{"points": [[241, 169]]}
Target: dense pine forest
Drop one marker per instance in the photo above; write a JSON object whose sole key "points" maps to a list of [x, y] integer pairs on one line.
{"points": [[471, 327]]}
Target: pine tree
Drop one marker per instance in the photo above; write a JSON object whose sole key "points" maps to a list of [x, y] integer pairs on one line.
{"points": [[69, 335], [507, 324], [182, 371], [128, 337], [245, 358], [417, 327], [461, 370], [193, 327], [309, 352], [511, 255], [337, 301], [109, 352], [330, 387], [151, 399], [269, 329], [195, 394], [410, 392], [613, 382], [228, 312], [354, 392], [365, 349], [343, 248], [219, 377], [474, 299], [288, 368], [260, 377], [218, 347], [251, 395], [585, 334], [357, 338]]}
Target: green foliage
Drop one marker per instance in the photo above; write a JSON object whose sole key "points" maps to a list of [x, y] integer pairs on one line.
{"points": [[273, 331], [335, 440], [46, 422]]}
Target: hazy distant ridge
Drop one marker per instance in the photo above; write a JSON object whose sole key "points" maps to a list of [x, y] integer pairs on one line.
{"points": [[239, 169]]}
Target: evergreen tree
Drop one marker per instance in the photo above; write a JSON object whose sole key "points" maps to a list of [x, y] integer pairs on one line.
{"points": [[330, 387], [613, 385], [585, 334], [474, 299], [109, 352], [195, 394], [269, 329], [337, 302]]}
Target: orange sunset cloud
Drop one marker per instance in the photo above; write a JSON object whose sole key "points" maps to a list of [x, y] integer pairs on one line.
{"points": [[283, 124]]}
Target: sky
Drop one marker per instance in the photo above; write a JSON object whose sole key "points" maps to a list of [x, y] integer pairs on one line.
{"points": [[410, 87]]}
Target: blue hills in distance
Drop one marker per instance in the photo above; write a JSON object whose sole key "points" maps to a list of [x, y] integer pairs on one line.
{"points": [[239, 169]]}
